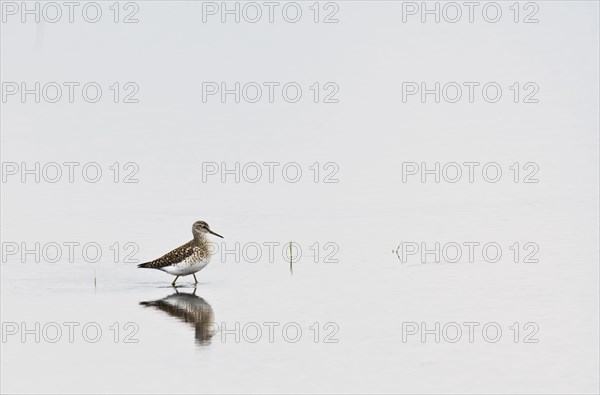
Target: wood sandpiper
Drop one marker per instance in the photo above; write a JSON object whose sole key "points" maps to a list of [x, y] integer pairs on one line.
{"points": [[187, 259]]}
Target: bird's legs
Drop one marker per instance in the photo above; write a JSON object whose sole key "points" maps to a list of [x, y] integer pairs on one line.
{"points": [[195, 279], [173, 283]]}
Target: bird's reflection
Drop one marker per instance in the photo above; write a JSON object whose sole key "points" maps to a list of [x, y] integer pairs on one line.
{"points": [[189, 308]]}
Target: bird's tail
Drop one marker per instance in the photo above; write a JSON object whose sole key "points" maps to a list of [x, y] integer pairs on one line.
{"points": [[145, 265]]}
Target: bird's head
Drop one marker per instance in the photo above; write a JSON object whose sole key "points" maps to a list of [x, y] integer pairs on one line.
{"points": [[201, 227]]}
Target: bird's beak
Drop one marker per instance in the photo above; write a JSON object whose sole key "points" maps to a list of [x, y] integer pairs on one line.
{"points": [[216, 234]]}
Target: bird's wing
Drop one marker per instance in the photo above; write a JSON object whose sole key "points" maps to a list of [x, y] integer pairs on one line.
{"points": [[171, 258]]}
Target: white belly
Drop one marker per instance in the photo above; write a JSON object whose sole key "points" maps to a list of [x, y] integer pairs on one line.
{"points": [[186, 267]]}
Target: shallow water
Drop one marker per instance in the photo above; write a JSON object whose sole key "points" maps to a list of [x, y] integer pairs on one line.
{"points": [[193, 344]]}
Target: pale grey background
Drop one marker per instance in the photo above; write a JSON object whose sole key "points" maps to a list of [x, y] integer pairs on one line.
{"points": [[369, 134]]}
